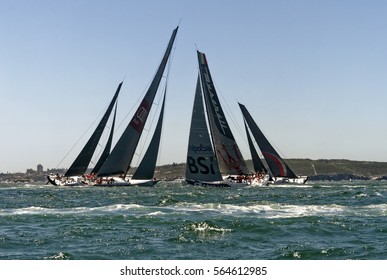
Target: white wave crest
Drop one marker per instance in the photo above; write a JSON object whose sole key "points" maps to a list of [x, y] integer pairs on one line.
{"points": [[33, 210], [273, 210], [260, 210]]}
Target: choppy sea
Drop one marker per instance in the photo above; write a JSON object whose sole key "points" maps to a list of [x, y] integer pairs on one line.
{"points": [[316, 221]]}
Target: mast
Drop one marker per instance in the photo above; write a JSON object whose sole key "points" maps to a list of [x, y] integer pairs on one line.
{"points": [[277, 165], [118, 162], [82, 161], [229, 157]]}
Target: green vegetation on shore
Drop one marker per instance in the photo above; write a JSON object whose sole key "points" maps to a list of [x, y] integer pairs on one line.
{"points": [[313, 168], [337, 166]]}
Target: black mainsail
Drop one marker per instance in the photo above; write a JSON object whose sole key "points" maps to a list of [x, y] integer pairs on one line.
{"points": [[201, 164], [82, 161], [147, 166], [229, 157], [119, 160], [277, 165]]}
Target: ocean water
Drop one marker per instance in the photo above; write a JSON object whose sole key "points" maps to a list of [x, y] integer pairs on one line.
{"points": [[316, 221]]}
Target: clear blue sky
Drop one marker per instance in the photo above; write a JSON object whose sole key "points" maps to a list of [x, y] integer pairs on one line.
{"points": [[312, 73]]}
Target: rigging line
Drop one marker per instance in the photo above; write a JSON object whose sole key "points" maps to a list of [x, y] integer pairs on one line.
{"points": [[149, 124], [165, 76], [169, 66], [206, 112], [98, 152], [104, 139], [140, 97], [161, 136], [272, 143], [244, 138], [255, 143], [153, 118], [229, 112], [83, 135], [205, 109], [131, 110], [150, 81]]}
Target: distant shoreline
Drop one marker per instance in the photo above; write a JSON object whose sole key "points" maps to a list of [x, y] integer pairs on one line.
{"points": [[317, 170]]}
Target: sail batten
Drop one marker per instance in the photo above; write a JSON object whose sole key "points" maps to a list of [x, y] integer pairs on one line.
{"points": [[80, 164], [120, 158]]}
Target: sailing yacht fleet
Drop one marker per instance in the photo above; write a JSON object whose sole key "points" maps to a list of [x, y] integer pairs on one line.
{"points": [[213, 155]]}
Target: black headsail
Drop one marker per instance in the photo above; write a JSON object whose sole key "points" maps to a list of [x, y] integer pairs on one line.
{"points": [[81, 163], [257, 162], [229, 157], [277, 165], [119, 160], [108, 146]]}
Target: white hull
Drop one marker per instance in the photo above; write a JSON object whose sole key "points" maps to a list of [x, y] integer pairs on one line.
{"points": [[118, 181], [58, 180], [233, 181], [283, 180], [253, 181]]}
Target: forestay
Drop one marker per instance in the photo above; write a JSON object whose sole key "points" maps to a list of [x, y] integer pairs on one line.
{"points": [[81, 163]]}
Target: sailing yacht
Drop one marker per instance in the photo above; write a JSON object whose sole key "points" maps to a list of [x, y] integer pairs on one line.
{"points": [[75, 175], [112, 168], [213, 156], [144, 174], [113, 171], [280, 172]]}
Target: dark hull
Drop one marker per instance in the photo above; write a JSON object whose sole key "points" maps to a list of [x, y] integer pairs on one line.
{"points": [[207, 184]]}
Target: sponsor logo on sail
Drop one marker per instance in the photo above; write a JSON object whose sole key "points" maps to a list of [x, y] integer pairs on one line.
{"points": [[281, 169], [235, 162], [140, 117], [199, 148], [216, 107]]}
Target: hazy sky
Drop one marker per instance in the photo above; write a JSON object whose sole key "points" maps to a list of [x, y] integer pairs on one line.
{"points": [[312, 73]]}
